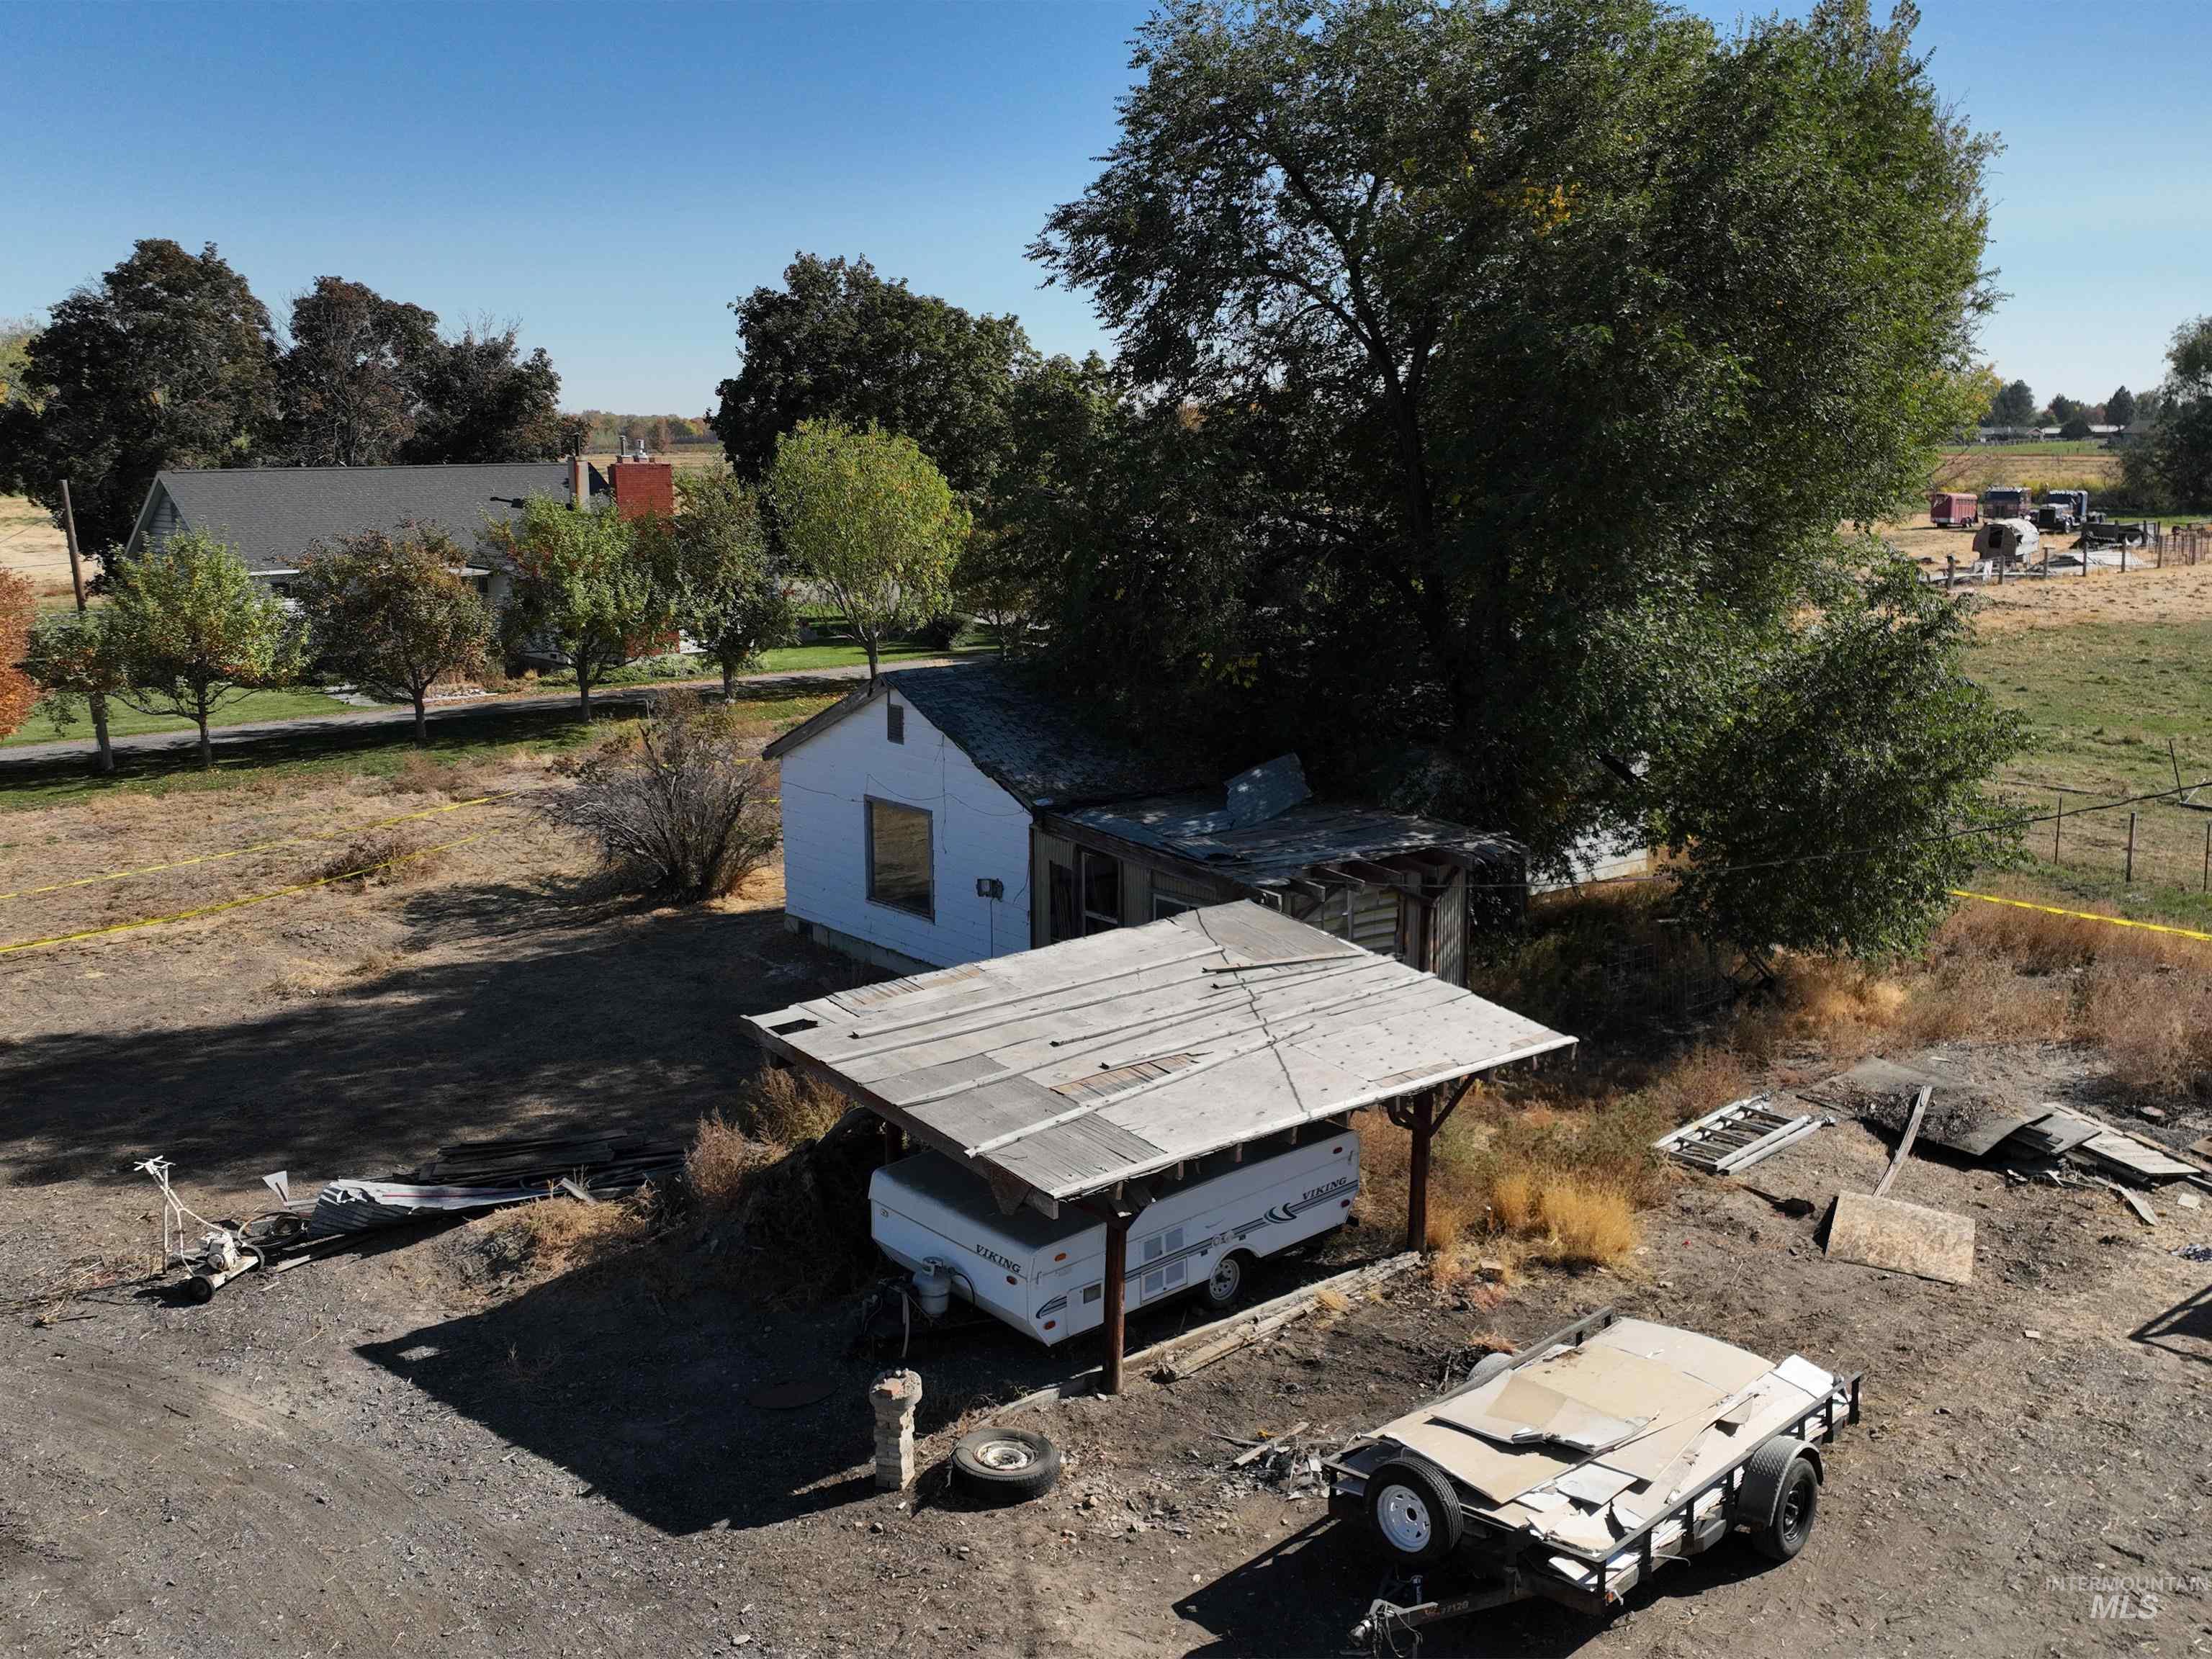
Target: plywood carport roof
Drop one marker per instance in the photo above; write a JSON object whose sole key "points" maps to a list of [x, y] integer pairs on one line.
{"points": [[1065, 1071]]}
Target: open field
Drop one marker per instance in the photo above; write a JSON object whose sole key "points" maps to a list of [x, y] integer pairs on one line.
{"points": [[2043, 467], [686, 458], [31, 545], [440, 1444]]}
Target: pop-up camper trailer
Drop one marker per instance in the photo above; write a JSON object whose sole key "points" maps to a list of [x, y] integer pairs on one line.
{"points": [[1202, 1231]]}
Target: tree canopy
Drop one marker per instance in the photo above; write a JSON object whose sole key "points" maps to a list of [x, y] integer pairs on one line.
{"points": [[392, 613], [867, 516], [725, 589], [583, 589], [839, 343], [350, 386], [2169, 463], [190, 629], [1492, 361], [2013, 405], [485, 401], [168, 361], [2120, 408]]}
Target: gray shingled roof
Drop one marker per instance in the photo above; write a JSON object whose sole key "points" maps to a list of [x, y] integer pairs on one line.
{"points": [[272, 515], [1033, 747]]}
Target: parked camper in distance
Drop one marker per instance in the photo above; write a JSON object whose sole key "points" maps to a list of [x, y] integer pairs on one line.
{"points": [[1953, 509], [1202, 1231], [2007, 542]]}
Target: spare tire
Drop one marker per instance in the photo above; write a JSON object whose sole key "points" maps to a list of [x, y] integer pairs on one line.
{"points": [[1005, 1466]]}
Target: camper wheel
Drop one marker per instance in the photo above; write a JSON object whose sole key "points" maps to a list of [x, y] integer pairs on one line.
{"points": [[1226, 1283], [1005, 1466]]}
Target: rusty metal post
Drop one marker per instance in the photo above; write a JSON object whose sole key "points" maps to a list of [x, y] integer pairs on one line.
{"points": [[1118, 1270], [2131, 880], [1417, 1175]]}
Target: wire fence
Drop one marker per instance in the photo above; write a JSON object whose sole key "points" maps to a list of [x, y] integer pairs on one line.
{"points": [[2160, 843]]}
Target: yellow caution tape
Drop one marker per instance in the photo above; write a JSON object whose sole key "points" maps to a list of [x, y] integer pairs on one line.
{"points": [[2081, 915], [258, 847], [239, 903]]}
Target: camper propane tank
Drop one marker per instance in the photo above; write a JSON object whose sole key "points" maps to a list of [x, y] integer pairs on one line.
{"points": [[932, 1288]]}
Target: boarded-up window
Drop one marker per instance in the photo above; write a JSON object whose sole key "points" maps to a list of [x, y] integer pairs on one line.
{"points": [[1102, 893], [898, 857], [894, 722]]}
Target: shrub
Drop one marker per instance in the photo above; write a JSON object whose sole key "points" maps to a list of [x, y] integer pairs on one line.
{"points": [[368, 860], [675, 802]]}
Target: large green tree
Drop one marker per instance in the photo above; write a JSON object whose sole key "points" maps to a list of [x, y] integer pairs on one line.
{"points": [[483, 400], [351, 383], [191, 630], [2120, 407], [586, 591], [393, 613], [2013, 405], [168, 360], [2169, 462], [868, 517], [1523, 346], [713, 559], [837, 342]]}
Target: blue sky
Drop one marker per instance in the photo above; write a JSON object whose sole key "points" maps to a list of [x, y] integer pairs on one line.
{"points": [[612, 176]]}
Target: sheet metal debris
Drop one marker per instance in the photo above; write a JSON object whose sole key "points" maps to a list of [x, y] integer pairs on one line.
{"points": [[1740, 1135]]}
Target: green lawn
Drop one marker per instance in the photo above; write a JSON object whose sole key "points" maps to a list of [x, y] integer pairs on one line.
{"points": [[495, 733], [2101, 702], [286, 705]]}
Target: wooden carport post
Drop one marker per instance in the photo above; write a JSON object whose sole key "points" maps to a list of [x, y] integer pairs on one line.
{"points": [[1417, 1177], [1117, 1267]]}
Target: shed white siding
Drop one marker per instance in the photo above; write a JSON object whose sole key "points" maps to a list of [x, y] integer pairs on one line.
{"points": [[977, 832]]}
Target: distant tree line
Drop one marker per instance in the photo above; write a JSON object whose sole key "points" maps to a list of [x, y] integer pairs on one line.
{"points": [[2012, 403], [170, 360]]}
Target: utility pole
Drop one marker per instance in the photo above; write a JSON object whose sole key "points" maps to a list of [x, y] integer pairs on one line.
{"points": [[76, 579]]}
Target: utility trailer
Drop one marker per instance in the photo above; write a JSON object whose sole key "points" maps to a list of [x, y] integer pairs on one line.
{"points": [[1208, 1222], [1949, 509], [1654, 1444]]}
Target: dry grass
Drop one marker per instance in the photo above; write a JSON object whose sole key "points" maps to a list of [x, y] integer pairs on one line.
{"points": [[556, 1235], [381, 858]]}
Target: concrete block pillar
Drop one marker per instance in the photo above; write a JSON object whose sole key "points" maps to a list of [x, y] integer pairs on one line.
{"points": [[894, 1396]]}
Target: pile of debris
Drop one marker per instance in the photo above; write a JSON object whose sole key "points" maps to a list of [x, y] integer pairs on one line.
{"points": [[1276, 1463], [473, 1176]]}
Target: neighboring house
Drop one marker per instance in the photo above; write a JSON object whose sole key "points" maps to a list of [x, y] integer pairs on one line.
{"points": [[944, 815], [271, 516]]}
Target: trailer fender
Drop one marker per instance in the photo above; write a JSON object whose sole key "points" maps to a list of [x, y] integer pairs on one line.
{"points": [[1762, 1474]]}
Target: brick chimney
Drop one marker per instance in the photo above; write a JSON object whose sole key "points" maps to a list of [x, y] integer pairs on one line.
{"points": [[643, 486]]}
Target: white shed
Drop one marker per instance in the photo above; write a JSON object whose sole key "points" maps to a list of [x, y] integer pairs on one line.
{"points": [[950, 815]]}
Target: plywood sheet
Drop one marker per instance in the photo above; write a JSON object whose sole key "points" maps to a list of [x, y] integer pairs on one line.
{"points": [[1719, 1365], [1500, 1473], [1906, 1238]]}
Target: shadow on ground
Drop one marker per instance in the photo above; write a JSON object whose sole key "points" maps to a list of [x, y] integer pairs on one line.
{"points": [[569, 1009], [1303, 1593], [636, 1377]]}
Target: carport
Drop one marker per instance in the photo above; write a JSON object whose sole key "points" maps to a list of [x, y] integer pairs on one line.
{"points": [[1068, 1075]]}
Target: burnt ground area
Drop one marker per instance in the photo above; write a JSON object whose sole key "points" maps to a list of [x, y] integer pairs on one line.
{"points": [[412, 1449]]}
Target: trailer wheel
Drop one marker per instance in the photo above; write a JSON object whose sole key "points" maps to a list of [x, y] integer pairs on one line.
{"points": [[1005, 1466], [1781, 1498], [1415, 1512], [1226, 1282]]}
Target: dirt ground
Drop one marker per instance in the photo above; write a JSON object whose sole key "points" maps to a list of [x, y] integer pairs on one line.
{"points": [[30, 545], [422, 1448]]}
